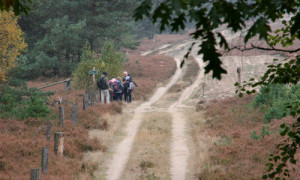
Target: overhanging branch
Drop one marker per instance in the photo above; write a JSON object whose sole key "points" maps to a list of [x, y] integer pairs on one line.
{"points": [[240, 48]]}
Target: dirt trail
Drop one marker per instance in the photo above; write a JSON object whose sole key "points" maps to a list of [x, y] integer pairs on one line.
{"points": [[122, 151], [179, 149]]}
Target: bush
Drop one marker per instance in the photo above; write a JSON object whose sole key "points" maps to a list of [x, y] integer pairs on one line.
{"points": [[23, 103], [273, 100]]}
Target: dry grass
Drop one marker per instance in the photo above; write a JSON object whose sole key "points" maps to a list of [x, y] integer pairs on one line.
{"points": [[198, 144], [96, 161], [150, 154], [22, 144], [189, 74], [23, 141], [225, 132], [148, 74]]}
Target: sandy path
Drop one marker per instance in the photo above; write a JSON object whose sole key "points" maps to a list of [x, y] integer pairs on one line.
{"points": [[123, 149], [179, 149]]}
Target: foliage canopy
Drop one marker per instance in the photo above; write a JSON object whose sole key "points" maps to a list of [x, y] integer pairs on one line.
{"points": [[17, 6], [110, 61], [12, 43], [56, 31]]}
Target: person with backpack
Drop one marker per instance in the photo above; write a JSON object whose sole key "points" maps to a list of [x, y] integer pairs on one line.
{"points": [[124, 92], [103, 86], [128, 91], [126, 75], [118, 89], [129, 76], [111, 89], [129, 86]]}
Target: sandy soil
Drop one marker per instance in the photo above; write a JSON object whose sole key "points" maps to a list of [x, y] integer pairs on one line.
{"points": [[122, 151], [179, 148]]}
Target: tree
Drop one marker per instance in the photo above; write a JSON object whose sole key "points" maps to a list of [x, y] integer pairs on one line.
{"points": [[57, 30], [209, 15], [110, 61], [113, 60], [18, 6], [11, 43]]}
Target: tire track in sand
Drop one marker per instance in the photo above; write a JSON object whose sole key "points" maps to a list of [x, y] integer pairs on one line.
{"points": [[179, 148], [122, 151]]}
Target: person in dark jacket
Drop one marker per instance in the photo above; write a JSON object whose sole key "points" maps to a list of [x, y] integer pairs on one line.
{"points": [[118, 89], [127, 92], [104, 87]]}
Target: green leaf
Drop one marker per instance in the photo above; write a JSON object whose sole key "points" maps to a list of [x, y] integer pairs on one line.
{"points": [[223, 42], [182, 63], [293, 161], [143, 10]]}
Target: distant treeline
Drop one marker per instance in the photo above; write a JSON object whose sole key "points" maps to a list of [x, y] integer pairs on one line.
{"points": [[57, 30]]}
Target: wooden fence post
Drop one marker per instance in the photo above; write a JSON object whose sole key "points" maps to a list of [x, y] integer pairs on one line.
{"points": [[59, 143], [94, 79], [45, 152], [92, 97], [48, 134], [86, 101], [74, 114], [35, 174], [238, 70], [61, 116], [67, 85]]}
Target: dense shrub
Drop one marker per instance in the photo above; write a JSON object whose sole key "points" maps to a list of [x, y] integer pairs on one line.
{"points": [[22, 103], [273, 100]]}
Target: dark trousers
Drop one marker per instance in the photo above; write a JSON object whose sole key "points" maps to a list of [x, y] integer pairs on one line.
{"points": [[119, 96], [111, 96], [127, 96]]}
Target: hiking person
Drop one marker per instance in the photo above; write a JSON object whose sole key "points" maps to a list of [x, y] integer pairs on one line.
{"points": [[118, 89], [124, 90], [103, 86], [111, 89], [126, 74], [128, 89]]}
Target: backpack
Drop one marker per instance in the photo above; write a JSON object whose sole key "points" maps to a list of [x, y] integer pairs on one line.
{"points": [[116, 87], [101, 84], [131, 86]]}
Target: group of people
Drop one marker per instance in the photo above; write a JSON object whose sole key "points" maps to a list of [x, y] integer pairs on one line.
{"points": [[116, 88]]}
